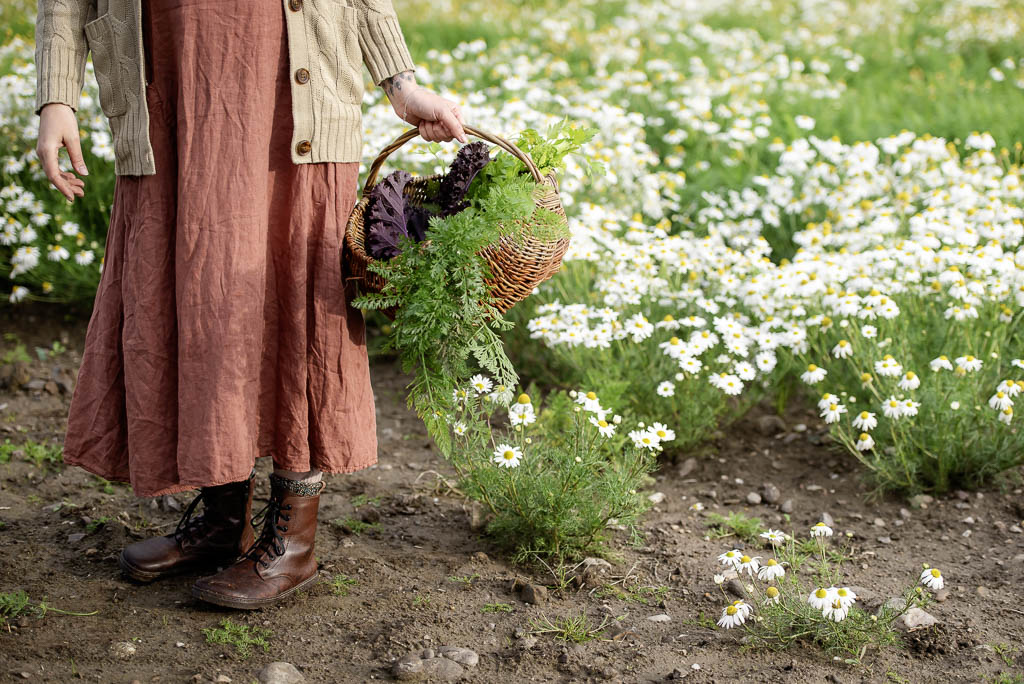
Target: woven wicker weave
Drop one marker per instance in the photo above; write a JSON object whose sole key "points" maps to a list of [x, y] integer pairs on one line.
{"points": [[515, 268]]}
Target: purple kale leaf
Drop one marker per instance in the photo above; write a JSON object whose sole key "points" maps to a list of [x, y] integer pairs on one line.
{"points": [[416, 221], [466, 165], [386, 216]]}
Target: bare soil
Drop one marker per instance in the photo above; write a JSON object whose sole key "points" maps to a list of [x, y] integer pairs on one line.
{"points": [[424, 578]]}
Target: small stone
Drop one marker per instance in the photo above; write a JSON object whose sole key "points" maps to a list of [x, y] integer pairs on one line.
{"points": [[534, 594], [222, 678], [656, 498], [770, 493], [983, 592], [661, 617], [688, 466], [526, 643], [827, 519], [879, 522], [442, 669], [35, 385], [770, 425], [969, 520], [920, 501], [25, 675], [753, 498], [885, 540], [51, 387], [941, 595], [462, 656], [905, 514], [735, 587], [122, 649], [280, 673], [787, 506], [477, 516], [180, 644], [913, 620], [799, 427]]}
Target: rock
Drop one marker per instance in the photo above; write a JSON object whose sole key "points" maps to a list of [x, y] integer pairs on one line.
{"points": [[905, 514], [787, 506], [51, 387], [735, 587], [799, 427], [913, 620], [122, 649], [526, 643], [753, 498], [920, 501], [661, 617], [770, 493], [19, 374], [879, 522], [827, 519], [770, 425], [894, 604], [591, 572], [535, 594], [477, 516], [76, 537], [656, 498], [885, 540], [941, 595], [222, 678], [35, 385], [462, 656], [984, 592], [280, 673], [688, 466]]}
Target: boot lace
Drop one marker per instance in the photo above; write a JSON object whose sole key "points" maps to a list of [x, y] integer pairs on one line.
{"points": [[271, 542], [188, 527]]}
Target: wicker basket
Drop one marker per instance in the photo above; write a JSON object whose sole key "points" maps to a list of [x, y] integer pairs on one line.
{"points": [[515, 268]]}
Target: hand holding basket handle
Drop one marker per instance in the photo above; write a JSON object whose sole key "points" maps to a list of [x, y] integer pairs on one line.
{"points": [[517, 266]]}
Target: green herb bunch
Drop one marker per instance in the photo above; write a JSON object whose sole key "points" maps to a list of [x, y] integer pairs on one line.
{"points": [[446, 325]]}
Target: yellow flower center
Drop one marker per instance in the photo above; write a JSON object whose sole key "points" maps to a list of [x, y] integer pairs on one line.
{"points": [[731, 610], [591, 396], [936, 573], [745, 559], [771, 561], [843, 343], [821, 593], [864, 436], [523, 398], [812, 368], [863, 415], [603, 423], [668, 317], [509, 455], [910, 375], [772, 592], [842, 592]]}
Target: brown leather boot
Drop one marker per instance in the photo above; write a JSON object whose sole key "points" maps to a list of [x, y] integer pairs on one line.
{"points": [[281, 561], [214, 538]]}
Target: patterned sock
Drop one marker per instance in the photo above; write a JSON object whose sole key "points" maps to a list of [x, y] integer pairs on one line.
{"points": [[304, 487]]}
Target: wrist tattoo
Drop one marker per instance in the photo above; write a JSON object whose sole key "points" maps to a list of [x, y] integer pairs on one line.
{"points": [[396, 86]]}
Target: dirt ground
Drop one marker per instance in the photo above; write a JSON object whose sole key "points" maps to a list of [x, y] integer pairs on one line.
{"points": [[421, 577]]}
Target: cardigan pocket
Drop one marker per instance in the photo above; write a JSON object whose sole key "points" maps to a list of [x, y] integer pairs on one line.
{"points": [[101, 40]]}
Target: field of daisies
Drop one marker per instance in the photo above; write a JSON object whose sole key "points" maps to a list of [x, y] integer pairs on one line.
{"points": [[816, 201]]}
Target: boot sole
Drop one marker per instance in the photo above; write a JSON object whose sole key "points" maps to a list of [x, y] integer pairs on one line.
{"points": [[242, 603], [148, 576]]}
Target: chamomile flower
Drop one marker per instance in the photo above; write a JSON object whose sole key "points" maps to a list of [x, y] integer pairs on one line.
{"points": [[662, 432], [932, 578], [644, 439], [940, 363], [820, 599], [865, 442], [481, 383], [732, 616], [1000, 401], [909, 381], [888, 367], [833, 412], [731, 558], [589, 401], [813, 375], [18, 293], [1006, 415], [892, 408], [774, 537], [821, 530], [865, 420], [771, 570], [459, 428], [910, 407], [508, 456], [748, 565], [842, 350], [603, 426], [968, 363], [771, 595], [521, 414], [666, 389]]}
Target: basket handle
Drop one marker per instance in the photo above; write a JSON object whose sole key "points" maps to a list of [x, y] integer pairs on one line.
{"points": [[371, 176]]}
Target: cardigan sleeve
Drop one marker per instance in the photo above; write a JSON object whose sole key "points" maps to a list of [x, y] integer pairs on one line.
{"points": [[381, 41], [61, 51]]}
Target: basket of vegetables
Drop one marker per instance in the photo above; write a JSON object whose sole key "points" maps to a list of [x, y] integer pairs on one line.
{"points": [[401, 207]]}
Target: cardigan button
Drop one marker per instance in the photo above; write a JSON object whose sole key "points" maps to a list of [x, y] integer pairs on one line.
{"points": [[294, 5], [304, 147], [302, 76]]}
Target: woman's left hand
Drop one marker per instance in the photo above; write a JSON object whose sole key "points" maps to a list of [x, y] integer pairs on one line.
{"points": [[439, 119]]}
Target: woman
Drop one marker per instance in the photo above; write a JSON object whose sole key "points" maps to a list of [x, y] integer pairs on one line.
{"points": [[222, 330]]}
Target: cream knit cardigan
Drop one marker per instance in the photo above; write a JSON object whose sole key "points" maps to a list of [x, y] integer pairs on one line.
{"points": [[329, 39]]}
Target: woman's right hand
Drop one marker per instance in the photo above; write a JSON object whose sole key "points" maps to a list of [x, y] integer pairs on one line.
{"points": [[58, 127]]}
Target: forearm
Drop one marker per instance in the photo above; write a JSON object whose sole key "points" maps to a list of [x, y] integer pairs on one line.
{"points": [[381, 40], [61, 51], [398, 88]]}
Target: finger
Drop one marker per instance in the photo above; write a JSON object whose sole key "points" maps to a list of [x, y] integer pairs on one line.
{"points": [[458, 114], [74, 145], [47, 152], [452, 126], [430, 131]]}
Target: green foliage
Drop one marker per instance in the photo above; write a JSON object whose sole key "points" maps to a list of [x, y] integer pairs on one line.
{"points": [[340, 584], [353, 525], [575, 628], [13, 604], [496, 608], [242, 637], [570, 487], [41, 455], [736, 524]]}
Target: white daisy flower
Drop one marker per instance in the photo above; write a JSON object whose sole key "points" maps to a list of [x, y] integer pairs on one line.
{"points": [[813, 375], [666, 389], [865, 420], [508, 456], [932, 578], [771, 570], [940, 363], [910, 381], [748, 565], [731, 558], [481, 384], [842, 350], [821, 530], [865, 442], [732, 616]]}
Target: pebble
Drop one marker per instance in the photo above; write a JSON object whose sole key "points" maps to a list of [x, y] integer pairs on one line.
{"points": [[689, 465], [905, 514], [787, 506], [914, 619], [122, 649], [941, 595], [799, 427], [445, 665], [526, 643], [984, 592], [753, 498], [280, 673], [735, 587], [770, 493], [224, 679], [879, 522], [661, 617], [656, 498], [885, 540], [76, 537], [534, 594], [770, 425], [921, 501], [827, 519], [180, 644]]}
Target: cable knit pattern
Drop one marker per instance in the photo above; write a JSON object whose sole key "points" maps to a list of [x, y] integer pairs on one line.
{"points": [[330, 39]]}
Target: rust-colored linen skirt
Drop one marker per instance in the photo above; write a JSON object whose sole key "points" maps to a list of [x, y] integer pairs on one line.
{"points": [[221, 329]]}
